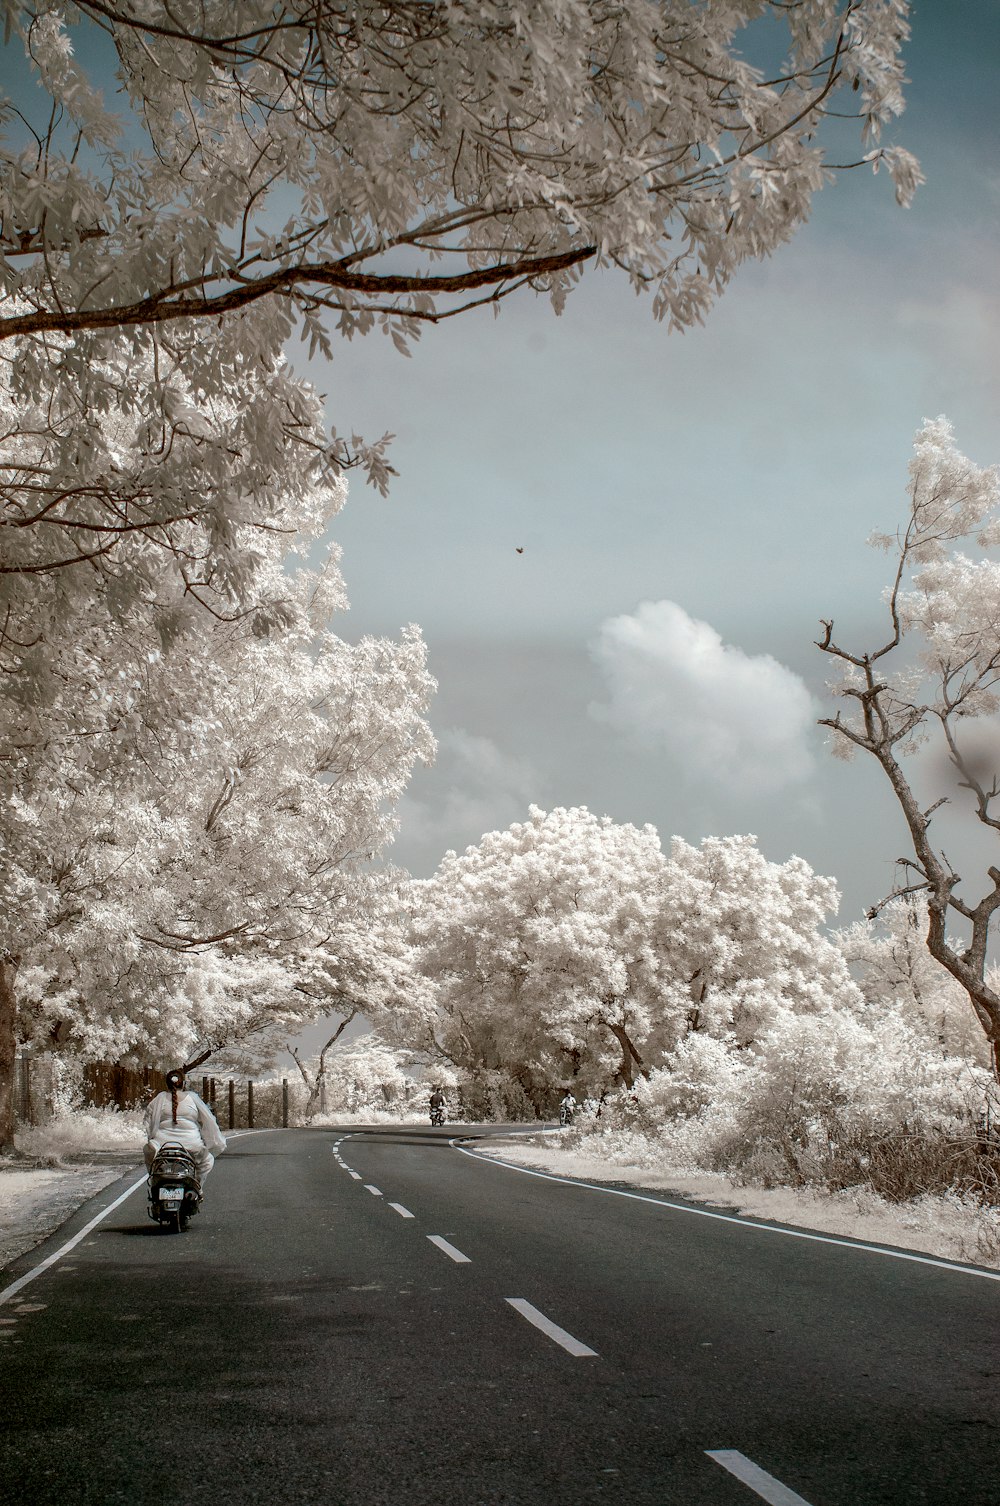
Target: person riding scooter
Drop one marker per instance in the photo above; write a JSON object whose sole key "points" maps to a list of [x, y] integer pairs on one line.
{"points": [[180, 1117]]}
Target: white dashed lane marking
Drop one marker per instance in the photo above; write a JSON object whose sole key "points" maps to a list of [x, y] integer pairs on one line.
{"points": [[760, 1482], [375, 1192], [552, 1330], [449, 1250], [403, 1212]]}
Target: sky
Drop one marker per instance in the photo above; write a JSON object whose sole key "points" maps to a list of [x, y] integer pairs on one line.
{"points": [[688, 506]]}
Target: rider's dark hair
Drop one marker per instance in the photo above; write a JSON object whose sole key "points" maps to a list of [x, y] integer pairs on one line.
{"points": [[175, 1081]]}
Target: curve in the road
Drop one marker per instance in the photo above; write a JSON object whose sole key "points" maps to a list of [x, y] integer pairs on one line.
{"points": [[733, 1218]]}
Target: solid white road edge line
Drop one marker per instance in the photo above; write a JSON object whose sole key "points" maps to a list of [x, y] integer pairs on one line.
{"points": [[449, 1250], [403, 1212], [552, 1330], [760, 1482], [729, 1218], [375, 1192], [50, 1260]]}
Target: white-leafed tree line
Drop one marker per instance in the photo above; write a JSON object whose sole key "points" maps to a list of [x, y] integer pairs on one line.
{"points": [[198, 776]]}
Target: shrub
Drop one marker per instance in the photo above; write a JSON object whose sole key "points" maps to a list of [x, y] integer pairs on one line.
{"points": [[837, 1100]]}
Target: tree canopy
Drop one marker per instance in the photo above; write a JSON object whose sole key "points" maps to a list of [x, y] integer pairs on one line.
{"points": [[572, 949], [375, 159]]}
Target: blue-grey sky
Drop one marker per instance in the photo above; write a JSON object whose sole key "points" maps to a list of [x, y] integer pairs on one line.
{"points": [[734, 472]]}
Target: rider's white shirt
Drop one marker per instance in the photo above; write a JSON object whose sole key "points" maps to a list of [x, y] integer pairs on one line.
{"points": [[195, 1127]]}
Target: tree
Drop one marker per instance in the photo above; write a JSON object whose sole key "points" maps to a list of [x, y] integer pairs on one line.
{"points": [[889, 953], [251, 840], [367, 1074], [393, 164], [944, 604], [573, 949], [542, 942], [194, 801], [125, 480], [373, 977], [747, 939], [516, 141]]}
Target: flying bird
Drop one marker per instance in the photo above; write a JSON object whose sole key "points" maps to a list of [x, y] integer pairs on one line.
{"points": [[518, 549]]}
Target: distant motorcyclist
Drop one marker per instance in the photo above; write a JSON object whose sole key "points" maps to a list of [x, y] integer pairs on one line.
{"points": [[437, 1106], [567, 1108], [180, 1117]]}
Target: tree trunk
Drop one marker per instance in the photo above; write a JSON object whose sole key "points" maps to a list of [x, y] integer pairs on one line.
{"points": [[8, 1050], [630, 1056]]}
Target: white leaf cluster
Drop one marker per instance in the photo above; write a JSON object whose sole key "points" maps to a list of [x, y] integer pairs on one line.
{"points": [[368, 1076], [944, 606], [894, 968], [834, 1099], [376, 159]]}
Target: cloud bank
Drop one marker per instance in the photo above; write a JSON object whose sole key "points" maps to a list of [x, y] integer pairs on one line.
{"points": [[723, 716]]}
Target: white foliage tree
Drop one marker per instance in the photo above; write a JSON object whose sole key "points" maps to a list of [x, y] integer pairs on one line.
{"points": [[542, 941], [932, 684], [840, 1097], [253, 836], [343, 168], [894, 967], [569, 948], [186, 792], [330, 154], [747, 938], [367, 1074], [128, 485]]}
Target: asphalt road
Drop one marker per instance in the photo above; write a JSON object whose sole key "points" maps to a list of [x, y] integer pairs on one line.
{"points": [[307, 1341]]}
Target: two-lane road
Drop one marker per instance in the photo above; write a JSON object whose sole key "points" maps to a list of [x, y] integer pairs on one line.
{"points": [[373, 1316]]}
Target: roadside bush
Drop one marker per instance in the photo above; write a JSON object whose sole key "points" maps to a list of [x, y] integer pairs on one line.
{"points": [[837, 1101], [82, 1131], [493, 1095]]}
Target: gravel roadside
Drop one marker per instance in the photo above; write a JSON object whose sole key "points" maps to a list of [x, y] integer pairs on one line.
{"points": [[35, 1201]]}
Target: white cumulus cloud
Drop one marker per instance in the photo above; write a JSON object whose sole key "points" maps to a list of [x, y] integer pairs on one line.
{"points": [[722, 715]]}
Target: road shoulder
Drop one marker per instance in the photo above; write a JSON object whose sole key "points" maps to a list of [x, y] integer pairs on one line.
{"points": [[36, 1201]]}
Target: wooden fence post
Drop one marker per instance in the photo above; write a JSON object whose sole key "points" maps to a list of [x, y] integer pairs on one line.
{"points": [[284, 1103], [27, 1117], [205, 1090], [232, 1103], [249, 1105]]}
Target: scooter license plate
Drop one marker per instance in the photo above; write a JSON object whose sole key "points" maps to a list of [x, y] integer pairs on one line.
{"points": [[171, 1194]]}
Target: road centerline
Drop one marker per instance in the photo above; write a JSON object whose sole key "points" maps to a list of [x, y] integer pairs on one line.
{"points": [[760, 1482], [403, 1212], [375, 1191], [551, 1330], [449, 1249]]}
